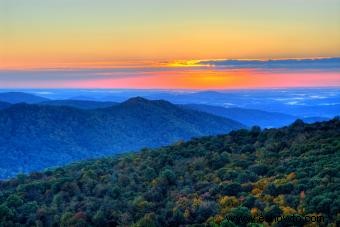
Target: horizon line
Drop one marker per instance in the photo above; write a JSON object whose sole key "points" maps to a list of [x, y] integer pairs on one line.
{"points": [[165, 63], [171, 89]]}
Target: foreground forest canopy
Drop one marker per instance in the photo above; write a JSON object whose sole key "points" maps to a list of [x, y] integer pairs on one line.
{"points": [[289, 171]]}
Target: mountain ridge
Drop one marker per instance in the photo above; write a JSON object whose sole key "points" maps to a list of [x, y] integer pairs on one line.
{"points": [[21, 97], [39, 136], [249, 117], [81, 104]]}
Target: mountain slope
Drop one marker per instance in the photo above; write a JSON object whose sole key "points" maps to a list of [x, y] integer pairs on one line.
{"points": [[4, 105], [248, 117], [289, 171], [34, 137], [314, 119], [21, 97], [81, 104]]}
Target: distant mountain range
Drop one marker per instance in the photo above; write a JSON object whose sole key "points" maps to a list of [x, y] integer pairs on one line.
{"points": [[21, 97], [49, 132], [297, 102], [34, 137], [81, 104], [248, 117], [300, 102], [275, 114], [251, 117]]}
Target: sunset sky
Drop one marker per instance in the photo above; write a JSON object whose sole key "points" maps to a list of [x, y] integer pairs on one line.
{"points": [[168, 44]]}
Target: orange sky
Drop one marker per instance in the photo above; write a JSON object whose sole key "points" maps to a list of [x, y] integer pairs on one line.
{"points": [[85, 34], [210, 79], [170, 78], [40, 33]]}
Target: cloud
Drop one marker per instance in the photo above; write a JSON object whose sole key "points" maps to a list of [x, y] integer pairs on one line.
{"points": [[328, 64], [208, 74]]}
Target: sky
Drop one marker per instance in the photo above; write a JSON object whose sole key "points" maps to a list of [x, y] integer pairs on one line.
{"points": [[167, 44]]}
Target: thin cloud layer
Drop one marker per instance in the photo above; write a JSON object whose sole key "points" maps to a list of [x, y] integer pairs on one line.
{"points": [[200, 74], [328, 64]]}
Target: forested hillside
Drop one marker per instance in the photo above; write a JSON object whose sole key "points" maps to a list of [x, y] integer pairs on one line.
{"points": [[34, 137], [289, 171]]}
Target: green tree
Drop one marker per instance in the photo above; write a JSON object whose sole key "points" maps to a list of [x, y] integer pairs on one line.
{"points": [[167, 177], [149, 220], [270, 213], [5, 212], [14, 201]]}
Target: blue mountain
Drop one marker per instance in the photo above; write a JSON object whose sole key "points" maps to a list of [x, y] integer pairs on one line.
{"points": [[81, 104], [34, 137], [21, 97]]}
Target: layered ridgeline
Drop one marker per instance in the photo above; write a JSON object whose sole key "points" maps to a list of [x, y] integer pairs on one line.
{"points": [[248, 117], [238, 106], [251, 117], [34, 137], [21, 97], [80, 104], [289, 171]]}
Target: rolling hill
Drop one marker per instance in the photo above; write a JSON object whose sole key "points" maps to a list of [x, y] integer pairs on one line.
{"points": [[316, 102], [81, 104], [291, 172], [21, 97], [34, 137], [249, 117]]}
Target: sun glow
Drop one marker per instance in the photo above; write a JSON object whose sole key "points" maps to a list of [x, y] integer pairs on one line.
{"points": [[185, 63]]}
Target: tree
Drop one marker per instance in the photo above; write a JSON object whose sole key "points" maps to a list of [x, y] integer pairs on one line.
{"points": [[217, 161], [241, 213], [5, 212], [167, 177], [99, 218], [270, 213], [271, 190], [205, 210], [149, 220], [149, 173], [231, 189], [259, 169], [14, 201], [65, 219], [226, 223], [249, 201]]}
